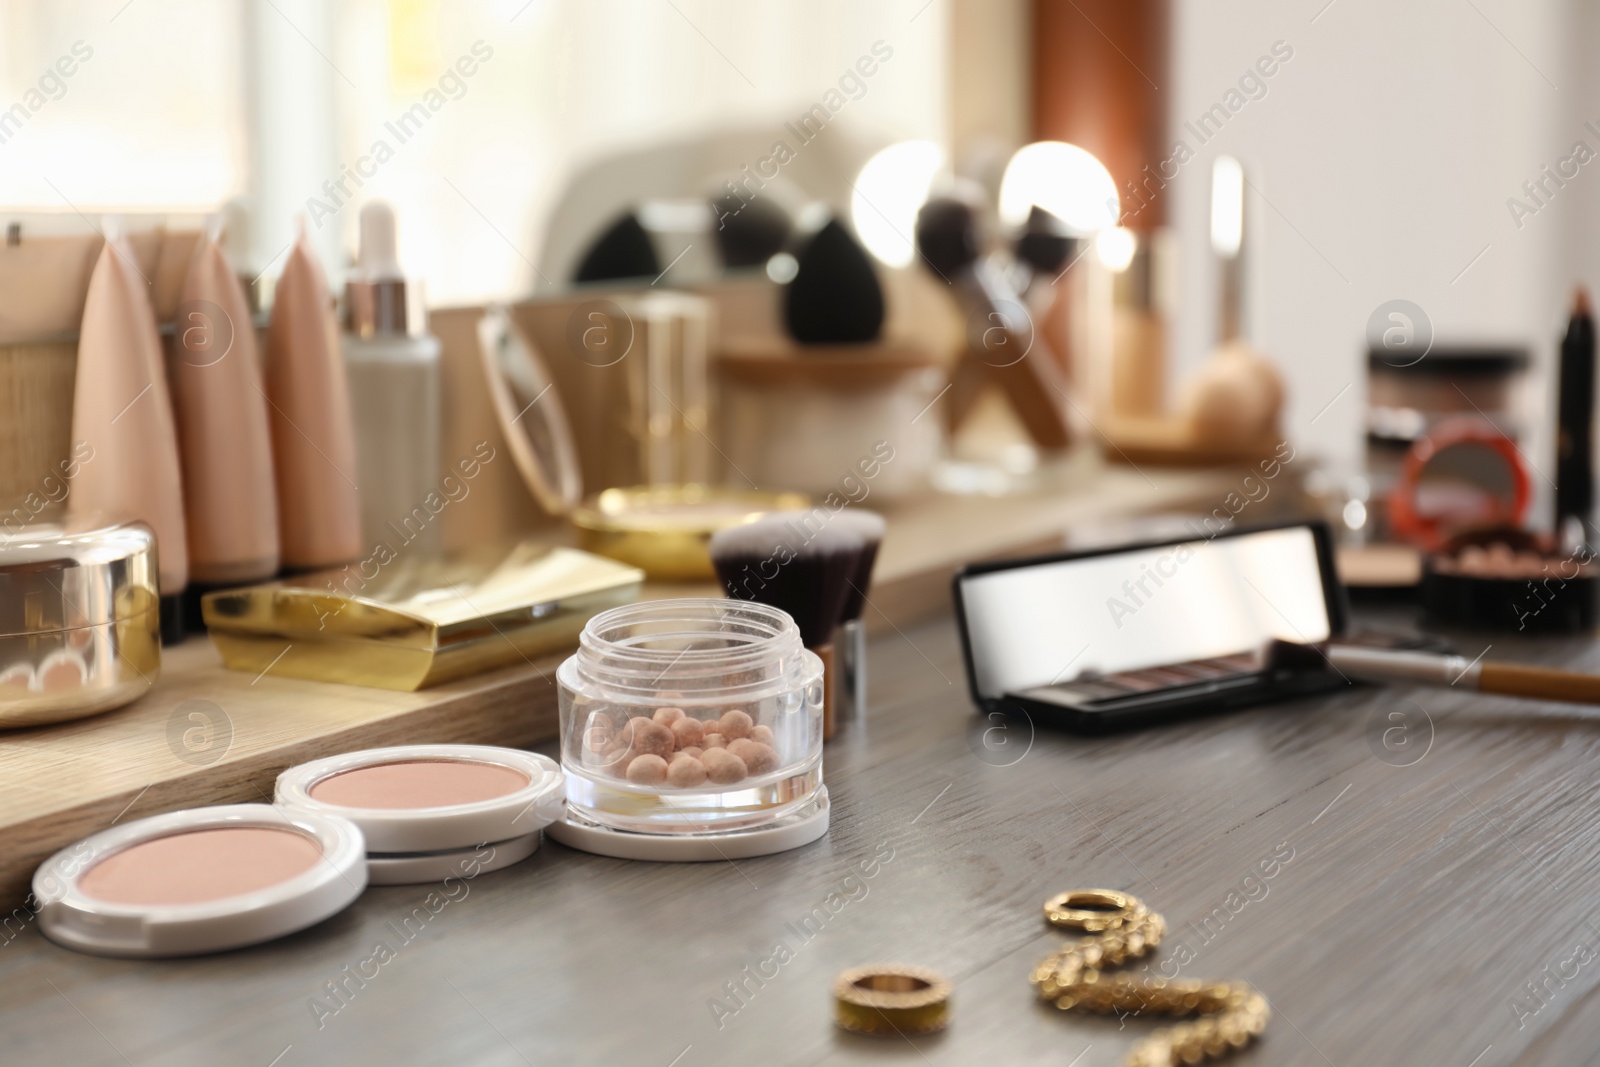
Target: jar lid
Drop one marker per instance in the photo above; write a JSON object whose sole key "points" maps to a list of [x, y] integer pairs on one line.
{"points": [[426, 798], [57, 577], [199, 881]]}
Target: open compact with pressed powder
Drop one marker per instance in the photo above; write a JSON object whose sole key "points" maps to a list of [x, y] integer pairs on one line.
{"points": [[429, 811], [197, 881]]}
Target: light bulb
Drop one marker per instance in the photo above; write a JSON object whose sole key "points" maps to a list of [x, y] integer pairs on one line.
{"points": [[1066, 181], [889, 191], [1115, 246], [1227, 206]]}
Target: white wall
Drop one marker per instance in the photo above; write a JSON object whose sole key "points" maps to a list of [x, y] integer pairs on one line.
{"points": [[1387, 147]]}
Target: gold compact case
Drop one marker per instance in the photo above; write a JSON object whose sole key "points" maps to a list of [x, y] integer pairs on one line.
{"points": [[666, 530], [79, 620], [411, 623]]}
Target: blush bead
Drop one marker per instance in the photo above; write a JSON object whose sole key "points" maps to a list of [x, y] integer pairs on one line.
{"points": [[687, 731], [647, 770], [722, 766], [686, 772], [648, 738], [758, 758], [734, 725]]}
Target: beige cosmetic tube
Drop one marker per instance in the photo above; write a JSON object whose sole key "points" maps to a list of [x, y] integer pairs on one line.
{"points": [[313, 437], [122, 415], [230, 498]]}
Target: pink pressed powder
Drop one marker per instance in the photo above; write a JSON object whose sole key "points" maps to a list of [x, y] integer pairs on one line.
{"points": [[200, 866], [419, 784]]}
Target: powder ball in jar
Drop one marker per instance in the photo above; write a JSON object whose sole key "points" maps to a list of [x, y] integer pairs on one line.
{"points": [[758, 758], [687, 732], [714, 740], [734, 725], [722, 766], [667, 716], [686, 772], [647, 737], [647, 770]]}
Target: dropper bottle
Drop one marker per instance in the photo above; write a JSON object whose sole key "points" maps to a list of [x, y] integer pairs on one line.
{"points": [[393, 367]]}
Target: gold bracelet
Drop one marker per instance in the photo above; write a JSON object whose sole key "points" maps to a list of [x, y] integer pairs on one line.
{"points": [[1122, 929], [891, 999]]}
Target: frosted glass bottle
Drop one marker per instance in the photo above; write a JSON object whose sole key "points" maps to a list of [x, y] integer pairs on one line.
{"points": [[393, 369]]}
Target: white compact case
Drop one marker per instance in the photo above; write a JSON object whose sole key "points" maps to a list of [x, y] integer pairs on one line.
{"points": [[432, 811], [71, 913]]}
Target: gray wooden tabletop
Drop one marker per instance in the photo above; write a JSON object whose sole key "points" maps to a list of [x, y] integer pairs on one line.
{"points": [[1437, 905]]}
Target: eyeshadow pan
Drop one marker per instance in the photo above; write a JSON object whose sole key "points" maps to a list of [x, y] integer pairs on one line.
{"points": [[418, 784], [200, 866]]}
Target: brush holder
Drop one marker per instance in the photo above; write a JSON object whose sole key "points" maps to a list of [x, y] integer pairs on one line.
{"points": [[690, 717]]}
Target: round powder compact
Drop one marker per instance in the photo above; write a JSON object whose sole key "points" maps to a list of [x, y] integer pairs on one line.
{"points": [[199, 881], [432, 811]]}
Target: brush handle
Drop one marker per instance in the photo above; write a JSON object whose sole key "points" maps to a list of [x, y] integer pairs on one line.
{"points": [[825, 654], [1539, 683]]}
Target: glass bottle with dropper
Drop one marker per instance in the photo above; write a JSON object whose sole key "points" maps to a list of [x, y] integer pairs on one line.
{"points": [[393, 365]]}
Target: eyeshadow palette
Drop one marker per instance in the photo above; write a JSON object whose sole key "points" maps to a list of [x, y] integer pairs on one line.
{"points": [[1131, 635]]}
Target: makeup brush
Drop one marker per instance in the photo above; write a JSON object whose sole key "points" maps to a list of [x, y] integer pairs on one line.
{"points": [[1002, 345], [799, 562], [1575, 421], [852, 656], [1432, 668]]}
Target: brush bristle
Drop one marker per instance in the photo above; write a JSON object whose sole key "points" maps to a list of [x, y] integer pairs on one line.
{"points": [[798, 562], [869, 526]]}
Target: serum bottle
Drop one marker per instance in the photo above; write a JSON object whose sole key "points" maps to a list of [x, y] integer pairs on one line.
{"points": [[393, 367]]}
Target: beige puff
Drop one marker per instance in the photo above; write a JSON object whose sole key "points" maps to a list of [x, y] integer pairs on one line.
{"points": [[687, 731], [758, 758], [686, 772], [734, 725], [722, 766], [762, 734], [667, 716], [647, 770], [648, 738], [714, 740]]}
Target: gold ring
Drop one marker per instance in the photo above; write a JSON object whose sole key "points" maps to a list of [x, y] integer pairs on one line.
{"points": [[1091, 910], [890, 999]]}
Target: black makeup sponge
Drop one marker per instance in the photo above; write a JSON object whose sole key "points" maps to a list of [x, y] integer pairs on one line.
{"points": [[835, 297], [751, 232], [622, 251]]}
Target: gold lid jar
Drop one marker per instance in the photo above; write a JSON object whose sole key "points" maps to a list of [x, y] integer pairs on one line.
{"points": [[79, 621]]}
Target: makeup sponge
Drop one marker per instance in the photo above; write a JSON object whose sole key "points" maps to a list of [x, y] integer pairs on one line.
{"points": [[835, 297], [622, 251]]}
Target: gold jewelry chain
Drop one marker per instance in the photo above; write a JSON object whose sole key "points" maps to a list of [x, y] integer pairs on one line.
{"points": [[1122, 928]]}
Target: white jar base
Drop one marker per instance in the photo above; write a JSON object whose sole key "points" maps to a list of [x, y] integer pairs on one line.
{"points": [[789, 832]]}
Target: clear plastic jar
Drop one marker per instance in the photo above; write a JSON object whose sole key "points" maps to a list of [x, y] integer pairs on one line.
{"points": [[658, 686]]}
